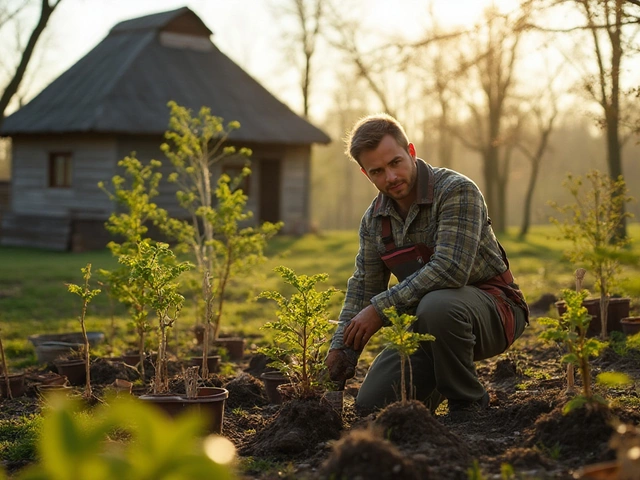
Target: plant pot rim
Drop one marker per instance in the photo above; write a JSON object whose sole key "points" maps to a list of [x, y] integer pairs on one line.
{"points": [[53, 388], [70, 362], [635, 319], [94, 337], [274, 375], [220, 394], [162, 397], [597, 299]]}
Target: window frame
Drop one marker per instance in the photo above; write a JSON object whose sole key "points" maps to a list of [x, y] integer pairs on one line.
{"points": [[67, 170]]}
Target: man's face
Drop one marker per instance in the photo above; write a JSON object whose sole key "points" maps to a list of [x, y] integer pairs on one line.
{"points": [[392, 170]]}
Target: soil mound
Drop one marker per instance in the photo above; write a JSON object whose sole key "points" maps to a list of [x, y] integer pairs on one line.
{"points": [[245, 391], [505, 370], [105, 372], [521, 413], [363, 454], [530, 459], [579, 437], [297, 429], [543, 304], [412, 428]]}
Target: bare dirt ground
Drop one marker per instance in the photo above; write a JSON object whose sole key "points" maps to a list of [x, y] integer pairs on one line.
{"points": [[524, 426]]}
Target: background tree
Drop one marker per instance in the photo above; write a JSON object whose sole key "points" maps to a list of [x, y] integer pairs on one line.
{"points": [[609, 27], [543, 114], [301, 43], [47, 8], [493, 122]]}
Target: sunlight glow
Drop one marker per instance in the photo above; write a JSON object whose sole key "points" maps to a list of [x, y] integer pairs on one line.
{"points": [[219, 449]]}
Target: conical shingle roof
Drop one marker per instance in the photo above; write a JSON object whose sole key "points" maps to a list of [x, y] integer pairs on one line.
{"points": [[124, 83]]}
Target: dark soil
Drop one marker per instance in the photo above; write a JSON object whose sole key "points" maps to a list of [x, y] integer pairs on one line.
{"points": [[245, 391], [296, 430], [364, 454], [523, 427], [415, 431]]}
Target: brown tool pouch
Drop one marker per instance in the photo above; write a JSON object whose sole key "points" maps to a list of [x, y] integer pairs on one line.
{"points": [[402, 261], [405, 261]]}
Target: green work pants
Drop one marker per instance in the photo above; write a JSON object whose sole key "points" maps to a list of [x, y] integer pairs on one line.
{"points": [[467, 327]]}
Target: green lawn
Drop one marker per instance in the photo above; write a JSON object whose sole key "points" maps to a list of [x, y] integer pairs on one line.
{"points": [[34, 298]]}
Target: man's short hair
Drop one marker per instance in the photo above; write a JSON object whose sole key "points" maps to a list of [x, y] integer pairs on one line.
{"points": [[369, 131]]}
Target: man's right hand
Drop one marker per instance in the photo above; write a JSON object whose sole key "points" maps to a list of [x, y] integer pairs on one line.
{"points": [[339, 366]]}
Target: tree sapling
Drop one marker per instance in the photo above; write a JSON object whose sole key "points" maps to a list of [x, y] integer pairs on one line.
{"points": [[571, 331], [592, 224], [301, 331], [86, 294], [132, 193], [399, 337], [196, 145], [155, 268]]}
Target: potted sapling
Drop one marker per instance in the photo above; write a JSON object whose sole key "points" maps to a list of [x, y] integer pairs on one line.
{"points": [[86, 294], [196, 147], [156, 269], [132, 194], [399, 337], [571, 331], [592, 224], [300, 334]]}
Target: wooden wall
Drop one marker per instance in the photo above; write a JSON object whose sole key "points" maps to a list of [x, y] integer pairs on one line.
{"points": [[77, 214], [93, 161], [294, 185]]}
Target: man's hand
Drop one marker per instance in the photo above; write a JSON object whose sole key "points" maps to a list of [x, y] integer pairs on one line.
{"points": [[339, 366], [361, 328]]}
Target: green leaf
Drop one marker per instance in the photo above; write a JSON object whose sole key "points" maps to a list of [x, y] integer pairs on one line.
{"points": [[614, 379], [575, 403]]}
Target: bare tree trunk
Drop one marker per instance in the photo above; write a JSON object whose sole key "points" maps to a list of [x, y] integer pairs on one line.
{"points": [[535, 160], [11, 89]]}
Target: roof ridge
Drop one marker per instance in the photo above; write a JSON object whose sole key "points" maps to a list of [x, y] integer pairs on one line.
{"points": [[153, 21]]}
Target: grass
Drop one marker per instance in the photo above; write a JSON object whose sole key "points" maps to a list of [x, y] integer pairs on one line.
{"points": [[34, 298], [18, 437]]}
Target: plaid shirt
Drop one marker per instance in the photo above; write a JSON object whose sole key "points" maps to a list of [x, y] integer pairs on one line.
{"points": [[449, 215]]}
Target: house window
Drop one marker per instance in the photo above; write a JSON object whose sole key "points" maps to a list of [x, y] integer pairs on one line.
{"points": [[59, 170], [234, 171]]}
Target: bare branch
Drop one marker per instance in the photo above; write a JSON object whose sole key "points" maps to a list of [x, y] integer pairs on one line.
{"points": [[46, 11]]}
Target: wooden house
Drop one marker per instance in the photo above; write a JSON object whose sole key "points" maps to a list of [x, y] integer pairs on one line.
{"points": [[114, 101]]}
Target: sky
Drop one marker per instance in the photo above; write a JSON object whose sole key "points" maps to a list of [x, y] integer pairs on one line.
{"points": [[248, 31]]}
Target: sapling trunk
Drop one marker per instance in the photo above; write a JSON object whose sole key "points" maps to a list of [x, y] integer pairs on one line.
{"points": [[87, 389], [222, 286], [604, 308], [306, 383], [191, 382], [161, 380], [579, 274], [5, 370], [86, 294], [585, 370], [207, 294], [141, 350], [403, 391], [411, 392]]}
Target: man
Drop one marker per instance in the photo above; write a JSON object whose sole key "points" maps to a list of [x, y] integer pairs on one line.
{"points": [[430, 227]]}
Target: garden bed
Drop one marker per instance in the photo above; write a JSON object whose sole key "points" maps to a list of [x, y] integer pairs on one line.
{"points": [[524, 426]]}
